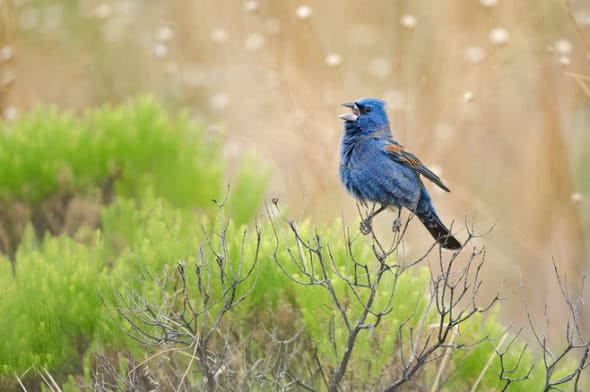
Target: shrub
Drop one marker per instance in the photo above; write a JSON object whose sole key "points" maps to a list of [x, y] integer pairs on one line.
{"points": [[48, 159], [50, 310]]}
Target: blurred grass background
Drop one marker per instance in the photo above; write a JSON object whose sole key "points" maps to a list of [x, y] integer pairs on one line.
{"points": [[493, 94]]}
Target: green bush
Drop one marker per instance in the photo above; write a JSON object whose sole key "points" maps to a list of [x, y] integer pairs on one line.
{"points": [[54, 314], [51, 311], [129, 150]]}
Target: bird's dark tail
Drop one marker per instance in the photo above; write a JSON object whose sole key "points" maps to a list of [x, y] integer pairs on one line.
{"points": [[427, 215]]}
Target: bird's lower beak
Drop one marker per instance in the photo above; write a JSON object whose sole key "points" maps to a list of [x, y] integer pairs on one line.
{"points": [[352, 117]]}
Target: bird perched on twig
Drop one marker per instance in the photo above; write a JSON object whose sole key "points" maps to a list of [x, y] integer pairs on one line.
{"points": [[374, 167]]}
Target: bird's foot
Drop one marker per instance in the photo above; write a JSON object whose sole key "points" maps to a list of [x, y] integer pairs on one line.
{"points": [[397, 224], [366, 226]]}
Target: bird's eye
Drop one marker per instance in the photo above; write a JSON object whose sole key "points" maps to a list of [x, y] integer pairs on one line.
{"points": [[368, 109]]}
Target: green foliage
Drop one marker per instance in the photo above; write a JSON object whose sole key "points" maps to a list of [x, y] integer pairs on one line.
{"points": [[469, 364], [53, 311], [50, 310], [138, 146]]}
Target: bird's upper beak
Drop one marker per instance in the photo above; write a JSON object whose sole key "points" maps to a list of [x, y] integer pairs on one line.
{"points": [[350, 116]]}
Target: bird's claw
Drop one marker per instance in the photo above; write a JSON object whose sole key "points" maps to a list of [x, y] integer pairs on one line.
{"points": [[366, 226], [397, 224]]}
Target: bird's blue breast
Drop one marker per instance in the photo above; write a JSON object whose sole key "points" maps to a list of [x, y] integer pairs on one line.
{"points": [[370, 175]]}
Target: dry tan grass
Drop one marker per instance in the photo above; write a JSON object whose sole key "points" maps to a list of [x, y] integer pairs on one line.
{"points": [[496, 113]]}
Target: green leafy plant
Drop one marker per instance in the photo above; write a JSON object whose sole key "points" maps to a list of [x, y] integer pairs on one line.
{"points": [[53, 164]]}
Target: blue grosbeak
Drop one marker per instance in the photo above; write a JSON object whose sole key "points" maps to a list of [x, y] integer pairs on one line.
{"points": [[374, 167]]}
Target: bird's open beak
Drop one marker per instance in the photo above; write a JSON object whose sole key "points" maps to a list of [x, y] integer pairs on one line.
{"points": [[350, 116]]}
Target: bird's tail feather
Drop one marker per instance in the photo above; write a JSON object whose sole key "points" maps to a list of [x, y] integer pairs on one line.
{"points": [[438, 230], [427, 215]]}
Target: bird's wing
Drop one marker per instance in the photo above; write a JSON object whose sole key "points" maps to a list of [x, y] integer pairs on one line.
{"points": [[398, 153]]}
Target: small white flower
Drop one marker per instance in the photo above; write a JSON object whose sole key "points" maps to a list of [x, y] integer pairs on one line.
{"points": [[251, 6], [563, 47], [489, 3], [564, 61], [333, 59], [10, 113], [219, 101], [499, 36], [303, 12], [160, 50], [164, 33], [6, 53], [218, 35], [576, 197], [409, 21]]}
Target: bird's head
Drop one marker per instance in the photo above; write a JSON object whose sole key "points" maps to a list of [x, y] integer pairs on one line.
{"points": [[368, 115]]}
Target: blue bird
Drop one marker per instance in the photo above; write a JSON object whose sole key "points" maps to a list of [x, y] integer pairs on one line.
{"points": [[374, 167]]}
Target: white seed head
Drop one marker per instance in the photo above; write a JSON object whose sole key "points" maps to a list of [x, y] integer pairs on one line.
{"points": [[218, 35], [576, 197], [489, 3], [219, 101], [303, 12], [160, 50], [6, 53], [499, 36], [563, 47], [409, 21], [10, 113], [468, 96], [564, 61], [380, 68], [254, 42], [474, 54], [251, 6], [164, 33], [333, 59]]}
